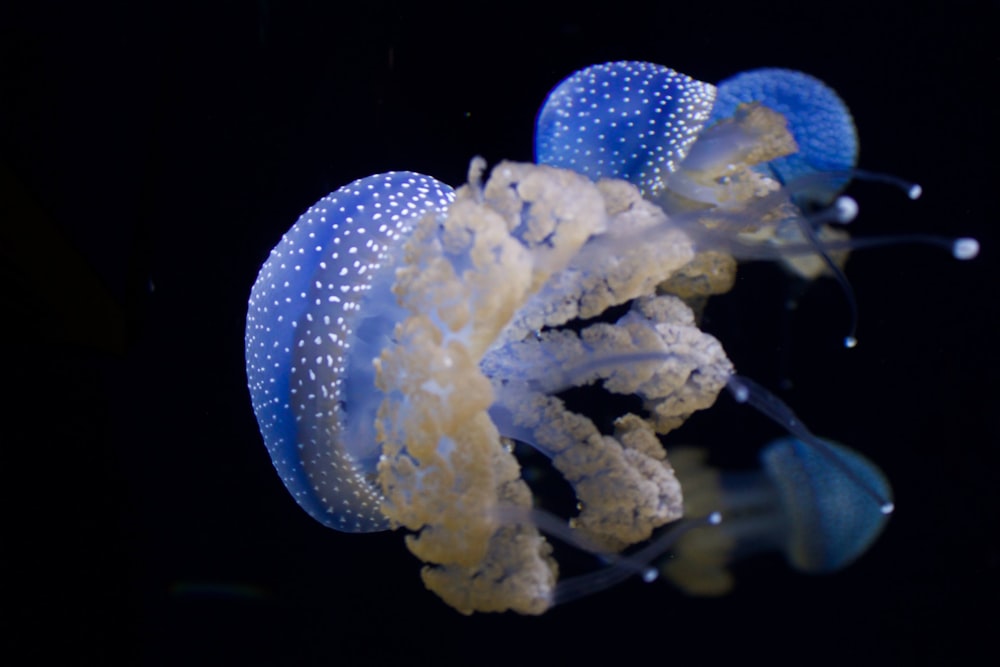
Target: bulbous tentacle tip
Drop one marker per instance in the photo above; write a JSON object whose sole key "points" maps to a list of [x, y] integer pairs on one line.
{"points": [[965, 248], [845, 210]]}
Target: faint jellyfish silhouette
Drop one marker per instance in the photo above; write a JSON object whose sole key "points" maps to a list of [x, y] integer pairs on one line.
{"points": [[817, 514]]}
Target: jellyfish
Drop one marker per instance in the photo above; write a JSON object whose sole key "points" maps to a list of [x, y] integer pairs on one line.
{"points": [[664, 131], [693, 148], [701, 153], [815, 513], [403, 336]]}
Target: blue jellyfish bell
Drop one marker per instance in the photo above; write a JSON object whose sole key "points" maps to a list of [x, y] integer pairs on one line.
{"points": [[629, 120], [327, 287], [817, 118], [820, 516]]}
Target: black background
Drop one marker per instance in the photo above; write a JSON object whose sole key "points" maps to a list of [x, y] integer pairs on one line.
{"points": [[153, 153]]}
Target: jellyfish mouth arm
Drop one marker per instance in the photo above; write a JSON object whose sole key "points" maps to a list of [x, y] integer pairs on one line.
{"points": [[625, 486], [635, 249], [623, 482], [654, 351], [443, 465], [532, 247], [500, 581], [719, 169], [468, 282]]}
